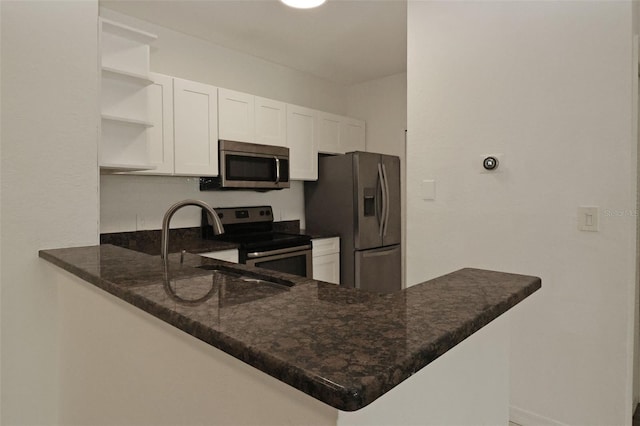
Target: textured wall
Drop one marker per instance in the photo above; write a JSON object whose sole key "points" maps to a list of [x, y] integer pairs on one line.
{"points": [[49, 182], [551, 86]]}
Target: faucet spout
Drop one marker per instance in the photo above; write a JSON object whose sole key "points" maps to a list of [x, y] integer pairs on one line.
{"points": [[215, 220]]}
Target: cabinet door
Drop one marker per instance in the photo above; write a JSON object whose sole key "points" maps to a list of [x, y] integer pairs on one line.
{"points": [[236, 116], [353, 135], [271, 122], [160, 136], [302, 142], [329, 128], [327, 268], [196, 128]]}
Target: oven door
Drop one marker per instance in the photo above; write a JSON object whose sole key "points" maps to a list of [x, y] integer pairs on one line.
{"points": [[292, 260]]}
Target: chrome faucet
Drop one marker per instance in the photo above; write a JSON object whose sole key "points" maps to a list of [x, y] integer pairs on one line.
{"points": [[217, 225]]}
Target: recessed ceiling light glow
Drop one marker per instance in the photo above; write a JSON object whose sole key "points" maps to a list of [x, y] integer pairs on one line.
{"points": [[303, 4]]}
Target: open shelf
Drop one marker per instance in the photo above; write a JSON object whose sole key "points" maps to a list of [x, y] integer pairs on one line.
{"points": [[130, 76], [115, 168], [126, 120], [126, 31]]}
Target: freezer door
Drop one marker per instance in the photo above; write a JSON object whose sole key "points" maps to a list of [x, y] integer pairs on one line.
{"points": [[379, 269], [367, 170], [392, 229]]}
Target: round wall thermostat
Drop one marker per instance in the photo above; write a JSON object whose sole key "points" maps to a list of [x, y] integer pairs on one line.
{"points": [[490, 163]]}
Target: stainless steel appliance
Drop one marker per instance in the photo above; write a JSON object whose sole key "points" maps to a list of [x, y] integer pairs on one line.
{"points": [[249, 166], [259, 245], [357, 196]]}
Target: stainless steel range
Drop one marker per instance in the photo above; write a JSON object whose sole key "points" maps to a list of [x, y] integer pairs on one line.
{"points": [[259, 245]]}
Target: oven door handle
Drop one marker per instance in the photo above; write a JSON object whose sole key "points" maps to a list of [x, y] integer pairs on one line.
{"points": [[255, 254], [277, 169]]}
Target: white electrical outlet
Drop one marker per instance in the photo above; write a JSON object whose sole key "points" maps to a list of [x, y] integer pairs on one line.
{"points": [[428, 189], [588, 218]]}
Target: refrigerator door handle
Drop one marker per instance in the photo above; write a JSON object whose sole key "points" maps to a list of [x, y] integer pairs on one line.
{"points": [[386, 198], [383, 214]]}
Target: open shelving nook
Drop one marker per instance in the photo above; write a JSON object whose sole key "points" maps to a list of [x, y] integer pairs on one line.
{"points": [[124, 98]]}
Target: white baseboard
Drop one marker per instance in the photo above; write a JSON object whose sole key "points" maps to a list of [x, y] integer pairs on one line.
{"points": [[527, 418]]}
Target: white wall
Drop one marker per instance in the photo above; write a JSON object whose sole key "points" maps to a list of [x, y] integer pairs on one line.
{"points": [[49, 189], [173, 53], [180, 55], [134, 203], [549, 85], [382, 103]]}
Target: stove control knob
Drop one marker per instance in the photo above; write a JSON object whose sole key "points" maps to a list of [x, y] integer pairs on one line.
{"points": [[220, 215], [261, 212]]}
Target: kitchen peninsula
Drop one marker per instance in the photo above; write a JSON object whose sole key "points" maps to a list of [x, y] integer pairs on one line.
{"points": [[354, 351]]}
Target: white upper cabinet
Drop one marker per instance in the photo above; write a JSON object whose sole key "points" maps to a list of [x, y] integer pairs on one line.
{"points": [[339, 134], [271, 122], [248, 118], [353, 135], [302, 134], [124, 61], [236, 116], [329, 133], [195, 128], [160, 136]]}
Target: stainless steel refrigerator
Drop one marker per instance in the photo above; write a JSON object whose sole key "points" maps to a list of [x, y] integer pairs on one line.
{"points": [[357, 196]]}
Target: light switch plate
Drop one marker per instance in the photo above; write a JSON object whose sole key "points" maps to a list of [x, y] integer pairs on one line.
{"points": [[588, 218], [428, 189]]}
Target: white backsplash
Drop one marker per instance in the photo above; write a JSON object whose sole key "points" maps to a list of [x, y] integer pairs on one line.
{"points": [[134, 203]]}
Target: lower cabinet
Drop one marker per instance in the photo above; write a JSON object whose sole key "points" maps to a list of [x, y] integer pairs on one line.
{"points": [[226, 255], [326, 259]]}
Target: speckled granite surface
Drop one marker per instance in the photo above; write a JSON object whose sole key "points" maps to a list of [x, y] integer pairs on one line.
{"points": [[341, 346], [189, 239]]}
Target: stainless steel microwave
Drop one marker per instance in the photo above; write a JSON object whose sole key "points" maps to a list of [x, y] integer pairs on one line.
{"points": [[245, 165]]}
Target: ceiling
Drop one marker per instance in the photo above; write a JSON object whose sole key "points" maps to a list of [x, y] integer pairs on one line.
{"points": [[344, 41]]}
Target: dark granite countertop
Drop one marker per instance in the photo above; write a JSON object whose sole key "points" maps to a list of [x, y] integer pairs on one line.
{"points": [[344, 347], [189, 239], [318, 234]]}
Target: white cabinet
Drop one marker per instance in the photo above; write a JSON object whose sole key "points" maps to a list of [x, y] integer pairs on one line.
{"points": [[302, 133], [236, 116], [247, 118], [353, 135], [326, 259], [195, 128], [160, 136], [329, 133], [124, 61], [338, 134], [226, 255], [271, 122]]}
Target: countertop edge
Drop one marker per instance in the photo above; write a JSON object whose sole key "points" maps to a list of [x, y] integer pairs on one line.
{"points": [[345, 399]]}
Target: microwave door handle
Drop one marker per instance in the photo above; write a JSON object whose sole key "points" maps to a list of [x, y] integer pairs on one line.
{"points": [[277, 169]]}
